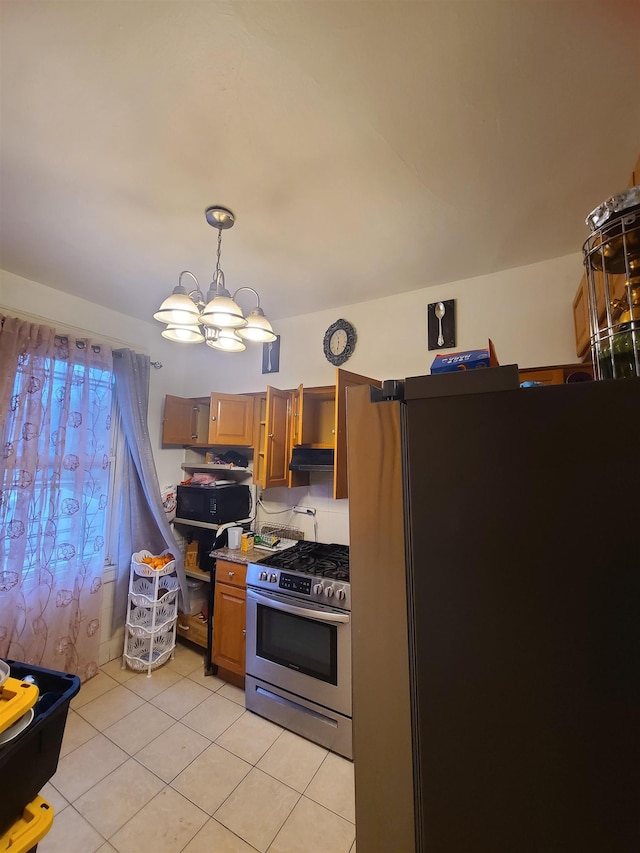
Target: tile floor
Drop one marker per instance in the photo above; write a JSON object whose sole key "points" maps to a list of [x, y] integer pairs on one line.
{"points": [[174, 763]]}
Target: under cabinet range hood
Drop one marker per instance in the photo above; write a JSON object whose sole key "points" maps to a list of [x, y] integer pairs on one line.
{"points": [[311, 459]]}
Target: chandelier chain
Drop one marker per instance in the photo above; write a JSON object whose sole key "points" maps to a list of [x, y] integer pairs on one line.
{"points": [[218, 257]]}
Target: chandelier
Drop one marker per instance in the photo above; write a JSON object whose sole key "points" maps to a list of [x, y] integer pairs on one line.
{"points": [[218, 320]]}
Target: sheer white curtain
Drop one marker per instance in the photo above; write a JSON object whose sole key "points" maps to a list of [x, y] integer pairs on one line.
{"points": [[55, 405]]}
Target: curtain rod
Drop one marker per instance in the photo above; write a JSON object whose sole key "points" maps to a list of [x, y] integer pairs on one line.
{"points": [[66, 328], [156, 364]]}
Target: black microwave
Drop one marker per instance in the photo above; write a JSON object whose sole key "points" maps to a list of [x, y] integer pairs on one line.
{"points": [[214, 504]]}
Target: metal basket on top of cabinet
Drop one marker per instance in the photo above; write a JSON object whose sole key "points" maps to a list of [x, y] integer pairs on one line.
{"points": [[612, 264]]}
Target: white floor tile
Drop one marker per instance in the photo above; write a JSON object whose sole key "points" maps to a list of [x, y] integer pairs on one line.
{"points": [[106, 802], [76, 732], [90, 690], [165, 825], [71, 833], [333, 787], [111, 707], [257, 809], [139, 728], [160, 680], [249, 737], [314, 829], [230, 691], [215, 838], [293, 760], [118, 797], [54, 798], [114, 669], [186, 659], [211, 777], [172, 751], [213, 716], [87, 765], [181, 698]]}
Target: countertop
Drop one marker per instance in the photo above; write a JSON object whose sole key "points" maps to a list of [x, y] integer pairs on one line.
{"points": [[235, 555]]}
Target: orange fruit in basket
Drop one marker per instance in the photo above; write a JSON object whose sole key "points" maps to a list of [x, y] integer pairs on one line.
{"points": [[158, 563]]}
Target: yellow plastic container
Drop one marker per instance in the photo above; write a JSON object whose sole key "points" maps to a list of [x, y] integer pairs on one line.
{"points": [[24, 834], [16, 698]]}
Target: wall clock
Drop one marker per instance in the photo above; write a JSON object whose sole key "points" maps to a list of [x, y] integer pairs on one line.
{"points": [[339, 342]]}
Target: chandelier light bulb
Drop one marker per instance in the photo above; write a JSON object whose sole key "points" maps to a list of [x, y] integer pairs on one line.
{"points": [[258, 328], [183, 334]]}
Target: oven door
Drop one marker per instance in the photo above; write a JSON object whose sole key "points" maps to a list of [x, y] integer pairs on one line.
{"points": [[302, 647]]}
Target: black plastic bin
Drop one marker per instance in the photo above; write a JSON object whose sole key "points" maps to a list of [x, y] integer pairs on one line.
{"points": [[30, 760]]}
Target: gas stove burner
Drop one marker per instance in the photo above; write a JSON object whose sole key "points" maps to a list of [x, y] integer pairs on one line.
{"points": [[313, 558]]}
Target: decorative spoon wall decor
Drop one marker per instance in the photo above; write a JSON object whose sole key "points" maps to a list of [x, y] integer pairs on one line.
{"points": [[441, 324]]}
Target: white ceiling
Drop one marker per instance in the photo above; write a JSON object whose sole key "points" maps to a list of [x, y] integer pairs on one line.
{"points": [[365, 147]]}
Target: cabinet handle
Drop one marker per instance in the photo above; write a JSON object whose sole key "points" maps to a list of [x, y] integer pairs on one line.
{"points": [[231, 574], [270, 435], [244, 632], [213, 417], [183, 627]]}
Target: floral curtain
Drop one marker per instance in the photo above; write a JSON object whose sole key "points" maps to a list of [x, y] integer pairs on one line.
{"points": [[55, 400]]}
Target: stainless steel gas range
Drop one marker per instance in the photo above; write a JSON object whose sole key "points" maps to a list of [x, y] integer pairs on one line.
{"points": [[298, 654]]}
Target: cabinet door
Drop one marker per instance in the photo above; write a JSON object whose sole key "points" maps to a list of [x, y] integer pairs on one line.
{"points": [[297, 409], [179, 421], [276, 447], [344, 380], [231, 420], [229, 628], [581, 319]]}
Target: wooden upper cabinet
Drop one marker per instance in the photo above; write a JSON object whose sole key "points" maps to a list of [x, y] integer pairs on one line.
{"points": [[297, 414], [272, 437], [179, 421], [581, 319], [231, 419], [221, 419], [558, 374], [344, 380]]}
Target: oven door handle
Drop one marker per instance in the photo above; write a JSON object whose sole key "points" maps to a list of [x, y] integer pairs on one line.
{"points": [[278, 604]]}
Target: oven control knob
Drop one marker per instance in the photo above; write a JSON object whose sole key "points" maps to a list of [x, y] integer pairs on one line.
{"points": [[318, 589], [341, 594], [273, 578], [329, 592], [263, 576]]}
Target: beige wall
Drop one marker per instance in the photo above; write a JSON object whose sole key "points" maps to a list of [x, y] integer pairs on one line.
{"points": [[525, 311]]}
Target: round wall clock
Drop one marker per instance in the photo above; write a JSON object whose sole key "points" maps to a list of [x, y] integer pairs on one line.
{"points": [[339, 342]]}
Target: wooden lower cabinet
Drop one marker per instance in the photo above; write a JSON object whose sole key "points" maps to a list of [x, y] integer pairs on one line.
{"points": [[229, 619], [192, 628]]}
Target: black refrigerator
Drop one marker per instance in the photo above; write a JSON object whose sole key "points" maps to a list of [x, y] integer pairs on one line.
{"points": [[495, 575]]}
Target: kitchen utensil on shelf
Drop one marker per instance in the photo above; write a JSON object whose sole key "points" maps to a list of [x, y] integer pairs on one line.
{"points": [[440, 311]]}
